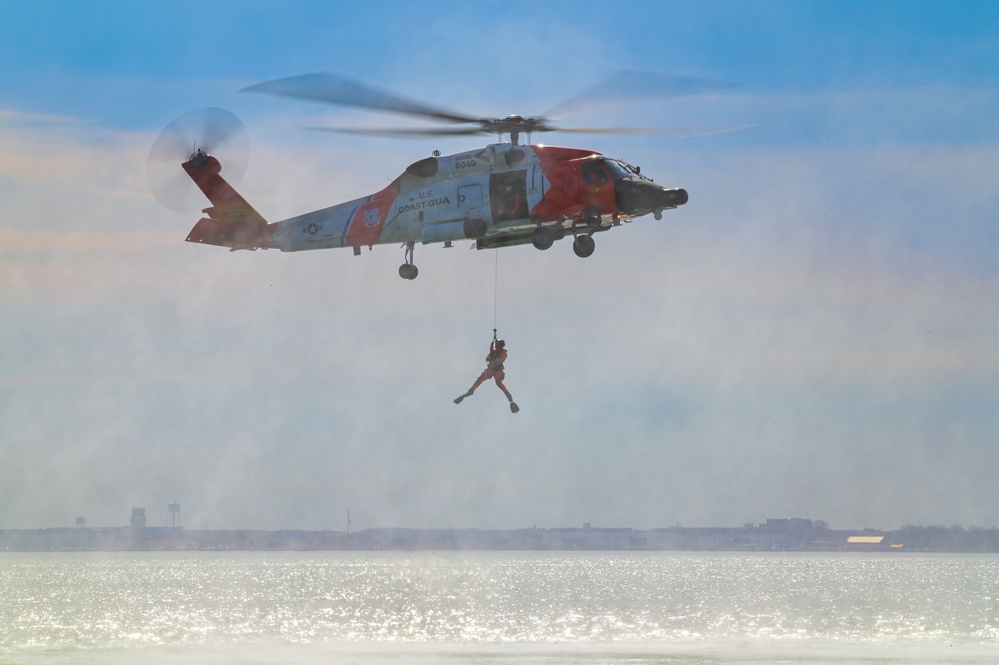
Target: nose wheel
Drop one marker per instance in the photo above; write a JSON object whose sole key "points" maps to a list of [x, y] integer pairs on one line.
{"points": [[407, 270]]}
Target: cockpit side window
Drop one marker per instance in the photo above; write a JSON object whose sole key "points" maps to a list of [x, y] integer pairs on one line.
{"points": [[621, 170], [593, 173], [617, 169]]}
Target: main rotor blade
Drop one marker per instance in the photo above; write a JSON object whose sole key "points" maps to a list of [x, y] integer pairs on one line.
{"points": [[680, 131], [405, 132], [332, 89], [621, 88], [629, 86]]}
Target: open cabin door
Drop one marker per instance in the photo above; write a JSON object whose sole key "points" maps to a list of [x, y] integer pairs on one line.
{"points": [[508, 195]]}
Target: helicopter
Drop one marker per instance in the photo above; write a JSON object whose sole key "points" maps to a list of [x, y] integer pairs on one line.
{"points": [[501, 195]]}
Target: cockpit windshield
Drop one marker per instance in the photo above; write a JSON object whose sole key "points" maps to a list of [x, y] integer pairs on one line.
{"points": [[620, 170]]}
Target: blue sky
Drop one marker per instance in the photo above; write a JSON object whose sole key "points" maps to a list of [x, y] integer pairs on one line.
{"points": [[812, 335]]}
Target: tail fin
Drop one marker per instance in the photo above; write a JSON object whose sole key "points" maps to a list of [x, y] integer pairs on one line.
{"points": [[231, 221]]}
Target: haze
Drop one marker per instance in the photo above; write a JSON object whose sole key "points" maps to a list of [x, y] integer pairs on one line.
{"points": [[813, 335]]}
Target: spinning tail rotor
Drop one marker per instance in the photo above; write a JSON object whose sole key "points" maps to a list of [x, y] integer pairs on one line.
{"points": [[194, 136]]}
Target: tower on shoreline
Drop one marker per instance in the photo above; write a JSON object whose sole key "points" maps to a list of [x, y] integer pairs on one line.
{"points": [[173, 514]]}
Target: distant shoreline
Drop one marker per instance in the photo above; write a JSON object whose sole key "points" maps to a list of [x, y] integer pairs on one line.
{"points": [[782, 535]]}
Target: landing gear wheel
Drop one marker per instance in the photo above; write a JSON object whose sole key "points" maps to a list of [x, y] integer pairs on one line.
{"points": [[407, 270], [583, 246], [543, 237]]}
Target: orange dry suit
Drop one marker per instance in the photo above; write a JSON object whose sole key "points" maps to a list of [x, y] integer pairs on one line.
{"points": [[494, 368]]}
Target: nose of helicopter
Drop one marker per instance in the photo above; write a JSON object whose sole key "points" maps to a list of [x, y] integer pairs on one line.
{"points": [[642, 197]]}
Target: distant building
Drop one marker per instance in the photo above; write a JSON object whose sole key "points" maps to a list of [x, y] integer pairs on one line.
{"points": [[864, 540], [138, 525], [787, 525]]}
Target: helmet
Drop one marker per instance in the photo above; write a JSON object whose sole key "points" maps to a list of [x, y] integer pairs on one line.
{"points": [[501, 343]]}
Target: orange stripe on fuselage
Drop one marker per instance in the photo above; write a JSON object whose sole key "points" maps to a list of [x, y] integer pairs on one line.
{"points": [[568, 195], [365, 227]]}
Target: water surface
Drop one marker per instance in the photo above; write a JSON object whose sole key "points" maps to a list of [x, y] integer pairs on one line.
{"points": [[520, 607]]}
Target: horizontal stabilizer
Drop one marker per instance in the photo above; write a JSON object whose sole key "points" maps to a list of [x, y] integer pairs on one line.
{"points": [[224, 233]]}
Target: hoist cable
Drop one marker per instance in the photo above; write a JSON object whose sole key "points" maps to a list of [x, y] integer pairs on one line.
{"points": [[495, 290]]}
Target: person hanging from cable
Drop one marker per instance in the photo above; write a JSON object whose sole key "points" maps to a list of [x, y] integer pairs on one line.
{"points": [[494, 370]]}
